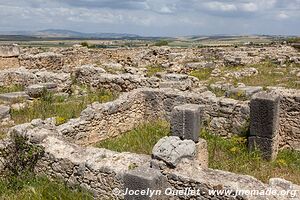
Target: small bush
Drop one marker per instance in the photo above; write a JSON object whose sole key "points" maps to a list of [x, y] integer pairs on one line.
{"points": [[84, 44], [19, 159], [161, 43]]}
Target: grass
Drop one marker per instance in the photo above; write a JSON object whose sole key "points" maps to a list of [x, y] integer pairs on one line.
{"points": [[60, 107], [201, 74], [225, 154], [267, 76], [139, 140], [41, 188], [152, 70], [12, 88], [233, 155]]}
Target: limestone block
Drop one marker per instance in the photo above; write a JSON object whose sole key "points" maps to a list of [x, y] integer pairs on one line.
{"points": [[264, 115], [186, 121], [37, 90], [202, 153], [142, 179], [9, 51], [172, 149], [268, 147], [4, 112], [14, 97]]}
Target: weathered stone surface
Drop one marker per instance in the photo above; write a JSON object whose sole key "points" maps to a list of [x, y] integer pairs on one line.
{"points": [[38, 90], [264, 115], [264, 124], [4, 112], [9, 51], [246, 91], [186, 121], [14, 97], [267, 146], [172, 149], [144, 178], [202, 153]]}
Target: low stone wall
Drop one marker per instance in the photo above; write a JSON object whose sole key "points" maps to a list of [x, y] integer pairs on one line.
{"points": [[25, 77], [97, 77], [98, 170], [222, 116], [101, 121], [8, 63], [289, 126], [103, 171], [48, 60]]}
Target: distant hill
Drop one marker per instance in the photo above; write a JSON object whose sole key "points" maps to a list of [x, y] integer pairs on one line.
{"points": [[60, 33]]}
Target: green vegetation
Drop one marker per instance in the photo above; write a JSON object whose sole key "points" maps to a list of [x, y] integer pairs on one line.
{"points": [[41, 188], [152, 70], [225, 154], [18, 180], [63, 108], [13, 88], [84, 44], [201, 74], [233, 155], [270, 75], [139, 140], [161, 43]]}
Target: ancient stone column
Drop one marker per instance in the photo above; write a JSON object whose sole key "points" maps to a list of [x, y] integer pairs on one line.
{"points": [[186, 121], [264, 123]]}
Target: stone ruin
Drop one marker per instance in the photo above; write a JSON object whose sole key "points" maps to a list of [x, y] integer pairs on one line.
{"points": [[178, 161]]}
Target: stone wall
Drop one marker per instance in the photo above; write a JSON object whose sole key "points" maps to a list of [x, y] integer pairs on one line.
{"points": [[102, 171], [8, 63], [289, 126], [98, 170], [9, 56], [25, 77], [101, 121], [97, 77], [222, 116], [48, 60]]}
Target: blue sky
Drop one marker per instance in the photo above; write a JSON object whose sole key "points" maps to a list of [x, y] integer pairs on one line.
{"points": [[154, 17]]}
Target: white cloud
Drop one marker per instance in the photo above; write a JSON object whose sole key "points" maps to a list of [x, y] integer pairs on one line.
{"points": [[249, 7], [153, 17], [220, 6], [282, 15]]}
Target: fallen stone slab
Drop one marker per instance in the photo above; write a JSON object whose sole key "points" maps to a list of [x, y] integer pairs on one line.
{"points": [[4, 112], [186, 121], [38, 90], [246, 91], [14, 97], [172, 149]]}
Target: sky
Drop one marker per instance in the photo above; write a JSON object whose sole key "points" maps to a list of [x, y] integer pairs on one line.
{"points": [[154, 17]]}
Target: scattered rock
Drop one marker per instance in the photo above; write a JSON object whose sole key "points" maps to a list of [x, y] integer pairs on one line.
{"points": [[172, 149]]}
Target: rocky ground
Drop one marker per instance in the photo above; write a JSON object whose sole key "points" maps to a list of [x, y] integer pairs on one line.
{"points": [[224, 79]]}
